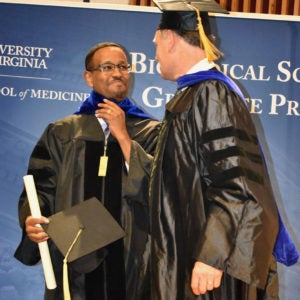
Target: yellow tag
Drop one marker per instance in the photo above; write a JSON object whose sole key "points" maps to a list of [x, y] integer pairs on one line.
{"points": [[103, 166]]}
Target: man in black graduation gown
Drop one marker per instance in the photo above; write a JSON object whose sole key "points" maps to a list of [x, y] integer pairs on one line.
{"points": [[214, 221], [65, 164]]}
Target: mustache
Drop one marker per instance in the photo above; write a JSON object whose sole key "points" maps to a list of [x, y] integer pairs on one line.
{"points": [[118, 79]]}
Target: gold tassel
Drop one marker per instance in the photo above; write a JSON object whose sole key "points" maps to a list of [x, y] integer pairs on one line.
{"points": [[67, 295], [66, 287], [212, 52]]}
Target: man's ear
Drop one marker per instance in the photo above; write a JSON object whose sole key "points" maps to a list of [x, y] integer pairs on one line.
{"points": [[172, 38], [87, 75]]}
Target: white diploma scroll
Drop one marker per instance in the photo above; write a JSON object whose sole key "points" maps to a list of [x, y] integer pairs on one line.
{"points": [[43, 246]]}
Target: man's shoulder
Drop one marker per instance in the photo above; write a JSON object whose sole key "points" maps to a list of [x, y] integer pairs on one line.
{"points": [[141, 129], [72, 125], [136, 123], [73, 119]]}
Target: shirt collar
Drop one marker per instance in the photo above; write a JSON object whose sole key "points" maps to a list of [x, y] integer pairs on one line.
{"points": [[202, 65]]}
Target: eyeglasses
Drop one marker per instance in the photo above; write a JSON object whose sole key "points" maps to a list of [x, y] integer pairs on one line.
{"points": [[110, 67]]}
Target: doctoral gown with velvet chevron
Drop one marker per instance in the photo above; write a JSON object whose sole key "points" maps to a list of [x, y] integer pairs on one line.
{"points": [[211, 199], [64, 164]]}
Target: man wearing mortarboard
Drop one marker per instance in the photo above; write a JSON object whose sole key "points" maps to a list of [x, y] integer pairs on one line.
{"points": [[214, 220]]}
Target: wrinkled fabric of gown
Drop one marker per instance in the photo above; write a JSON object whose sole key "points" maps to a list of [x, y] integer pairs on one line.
{"points": [[65, 164], [211, 199]]}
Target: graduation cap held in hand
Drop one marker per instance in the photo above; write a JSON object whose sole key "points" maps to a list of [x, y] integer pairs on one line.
{"points": [[82, 230]]}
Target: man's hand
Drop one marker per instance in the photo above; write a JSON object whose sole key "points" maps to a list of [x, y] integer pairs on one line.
{"points": [[205, 278], [33, 229], [115, 118]]}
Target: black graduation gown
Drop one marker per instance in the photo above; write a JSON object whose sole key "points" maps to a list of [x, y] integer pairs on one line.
{"points": [[64, 164], [211, 199]]}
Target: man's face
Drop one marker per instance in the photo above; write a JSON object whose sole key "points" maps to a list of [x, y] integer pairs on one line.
{"points": [[111, 84]]}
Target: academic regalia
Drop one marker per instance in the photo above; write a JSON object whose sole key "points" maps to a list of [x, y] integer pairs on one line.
{"points": [[210, 193], [65, 164], [211, 198]]}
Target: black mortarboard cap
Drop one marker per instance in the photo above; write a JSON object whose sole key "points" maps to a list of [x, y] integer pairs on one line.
{"points": [[79, 232], [98, 226], [183, 21], [182, 16], [182, 5]]}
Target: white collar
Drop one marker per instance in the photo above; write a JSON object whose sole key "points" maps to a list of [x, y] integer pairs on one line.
{"points": [[202, 65]]}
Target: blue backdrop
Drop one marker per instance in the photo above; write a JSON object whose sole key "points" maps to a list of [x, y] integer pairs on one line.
{"points": [[42, 50]]}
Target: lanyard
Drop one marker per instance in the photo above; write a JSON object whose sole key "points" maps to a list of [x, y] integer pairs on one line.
{"points": [[104, 158]]}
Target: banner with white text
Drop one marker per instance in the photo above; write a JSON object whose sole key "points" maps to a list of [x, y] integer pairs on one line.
{"points": [[42, 51]]}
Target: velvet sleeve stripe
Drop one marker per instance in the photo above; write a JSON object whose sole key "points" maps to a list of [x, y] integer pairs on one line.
{"points": [[41, 174], [235, 172], [40, 153], [234, 151], [228, 132]]}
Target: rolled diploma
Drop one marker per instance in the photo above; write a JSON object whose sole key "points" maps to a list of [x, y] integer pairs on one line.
{"points": [[43, 246]]}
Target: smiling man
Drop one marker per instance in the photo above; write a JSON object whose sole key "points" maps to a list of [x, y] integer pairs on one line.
{"points": [[65, 165]]}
